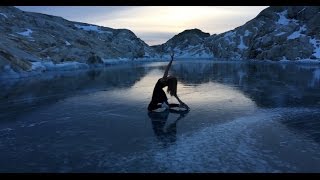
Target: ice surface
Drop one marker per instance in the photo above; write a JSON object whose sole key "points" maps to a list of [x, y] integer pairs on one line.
{"points": [[50, 66], [244, 117]]}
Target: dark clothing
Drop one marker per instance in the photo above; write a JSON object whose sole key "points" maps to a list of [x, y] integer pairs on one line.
{"points": [[158, 96]]}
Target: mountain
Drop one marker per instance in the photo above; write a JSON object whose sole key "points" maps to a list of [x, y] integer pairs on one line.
{"points": [[189, 43], [28, 39], [276, 33], [37, 42]]}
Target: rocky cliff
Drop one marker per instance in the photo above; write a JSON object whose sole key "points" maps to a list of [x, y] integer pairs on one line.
{"points": [[276, 33], [29, 38]]}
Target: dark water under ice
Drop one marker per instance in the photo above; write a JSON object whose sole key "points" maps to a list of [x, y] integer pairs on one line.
{"points": [[244, 117]]}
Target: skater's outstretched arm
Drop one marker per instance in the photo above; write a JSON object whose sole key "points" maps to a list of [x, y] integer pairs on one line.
{"points": [[181, 103], [168, 67]]}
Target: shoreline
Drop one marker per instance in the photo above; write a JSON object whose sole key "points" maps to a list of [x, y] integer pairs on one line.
{"points": [[49, 68]]}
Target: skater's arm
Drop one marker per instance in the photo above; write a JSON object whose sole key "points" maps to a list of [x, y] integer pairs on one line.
{"points": [[168, 67], [181, 103]]}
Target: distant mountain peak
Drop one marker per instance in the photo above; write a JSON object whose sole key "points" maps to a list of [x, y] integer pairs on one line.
{"points": [[194, 31]]}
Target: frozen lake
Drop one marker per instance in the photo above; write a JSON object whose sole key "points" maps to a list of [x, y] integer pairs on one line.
{"points": [[244, 117]]}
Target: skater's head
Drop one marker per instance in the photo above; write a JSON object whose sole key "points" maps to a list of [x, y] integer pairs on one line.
{"points": [[172, 85], [171, 82]]}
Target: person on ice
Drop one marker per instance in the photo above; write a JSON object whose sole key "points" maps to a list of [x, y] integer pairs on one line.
{"points": [[159, 99]]}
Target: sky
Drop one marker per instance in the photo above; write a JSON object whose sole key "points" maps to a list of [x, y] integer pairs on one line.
{"points": [[156, 24]]}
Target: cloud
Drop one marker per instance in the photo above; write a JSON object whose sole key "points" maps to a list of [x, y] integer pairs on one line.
{"points": [[173, 20], [156, 24], [77, 13]]}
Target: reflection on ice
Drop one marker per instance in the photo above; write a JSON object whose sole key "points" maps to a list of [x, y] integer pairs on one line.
{"points": [[316, 78], [166, 133]]}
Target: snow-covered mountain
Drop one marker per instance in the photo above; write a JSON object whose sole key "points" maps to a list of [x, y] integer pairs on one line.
{"points": [[189, 43], [276, 33], [34, 41], [27, 40]]}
